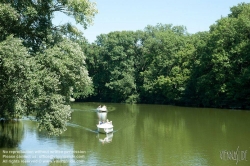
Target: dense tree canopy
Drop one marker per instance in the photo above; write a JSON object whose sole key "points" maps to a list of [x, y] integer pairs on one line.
{"points": [[223, 76], [114, 72], [166, 64], [41, 65], [33, 18]]}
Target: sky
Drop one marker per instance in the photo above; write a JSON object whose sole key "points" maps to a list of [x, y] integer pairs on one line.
{"points": [[119, 15]]}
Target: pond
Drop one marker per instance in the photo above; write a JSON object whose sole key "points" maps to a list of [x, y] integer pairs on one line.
{"points": [[143, 135]]}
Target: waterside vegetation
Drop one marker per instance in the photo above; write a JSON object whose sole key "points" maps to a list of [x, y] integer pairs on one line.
{"points": [[167, 65], [43, 66]]}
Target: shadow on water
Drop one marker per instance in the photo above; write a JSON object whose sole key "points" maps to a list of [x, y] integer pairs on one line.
{"points": [[11, 133]]}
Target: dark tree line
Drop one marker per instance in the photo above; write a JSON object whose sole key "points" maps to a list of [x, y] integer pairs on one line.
{"points": [[165, 64]]}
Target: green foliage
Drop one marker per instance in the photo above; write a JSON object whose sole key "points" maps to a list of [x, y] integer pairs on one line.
{"points": [[41, 69], [34, 19], [67, 61], [167, 72], [8, 21], [41, 85], [15, 69], [46, 66], [165, 64], [125, 65], [116, 63], [223, 62], [82, 10]]}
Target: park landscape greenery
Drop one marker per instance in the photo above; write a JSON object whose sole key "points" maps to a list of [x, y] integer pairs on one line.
{"points": [[43, 65], [165, 64]]}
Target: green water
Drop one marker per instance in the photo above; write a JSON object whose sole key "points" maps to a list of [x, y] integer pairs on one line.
{"points": [[143, 135]]}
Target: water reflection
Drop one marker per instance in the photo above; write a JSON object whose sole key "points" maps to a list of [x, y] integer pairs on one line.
{"points": [[102, 116], [11, 134], [144, 135], [105, 138]]}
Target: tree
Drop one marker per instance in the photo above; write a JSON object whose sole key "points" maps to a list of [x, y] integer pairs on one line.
{"points": [[42, 69], [165, 64], [167, 51], [8, 21], [30, 87], [114, 74], [222, 71], [14, 82], [35, 19], [193, 94]]}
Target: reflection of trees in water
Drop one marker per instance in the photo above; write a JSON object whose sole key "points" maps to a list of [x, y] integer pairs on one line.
{"points": [[82, 134], [160, 132], [11, 133], [123, 117]]}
